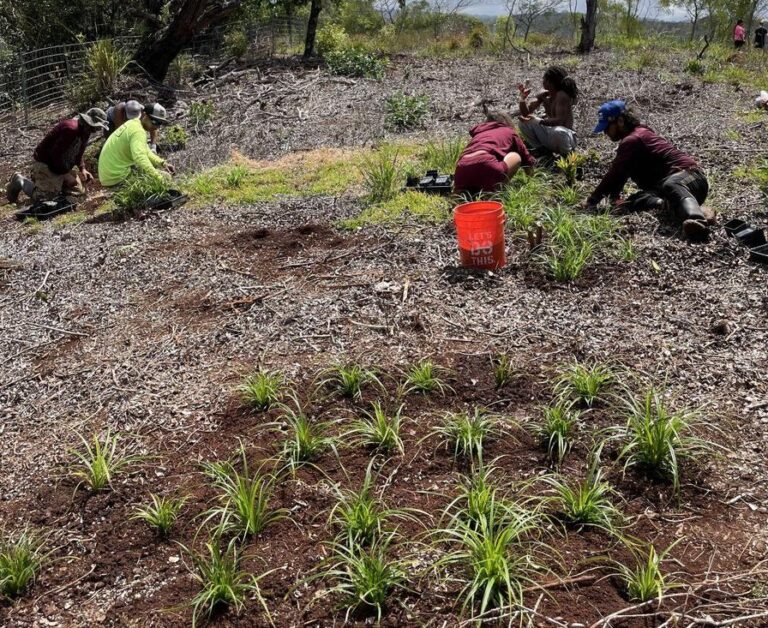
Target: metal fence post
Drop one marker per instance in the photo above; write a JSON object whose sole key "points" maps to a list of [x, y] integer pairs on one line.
{"points": [[24, 95]]}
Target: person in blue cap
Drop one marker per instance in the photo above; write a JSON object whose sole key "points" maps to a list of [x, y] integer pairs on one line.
{"points": [[665, 175]]}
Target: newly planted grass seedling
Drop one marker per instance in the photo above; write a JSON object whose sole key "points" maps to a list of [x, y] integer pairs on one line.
{"points": [[378, 429], [262, 389], [348, 379], [245, 499], [381, 175], [568, 261], [556, 430], [223, 581], [496, 560], [424, 378], [583, 382], [99, 461], [235, 176], [467, 434], [657, 438], [161, 514], [645, 580], [365, 576], [307, 439], [21, 557], [587, 503], [503, 371]]}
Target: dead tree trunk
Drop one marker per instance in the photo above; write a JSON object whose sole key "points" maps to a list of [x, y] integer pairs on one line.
{"points": [[588, 27], [314, 16], [157, 51]]}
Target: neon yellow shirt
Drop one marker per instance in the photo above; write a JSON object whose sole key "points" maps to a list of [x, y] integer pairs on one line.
{"points": [[126, 148]]}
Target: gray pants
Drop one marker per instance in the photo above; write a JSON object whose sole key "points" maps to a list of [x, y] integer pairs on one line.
{"points": [[557, 139]]}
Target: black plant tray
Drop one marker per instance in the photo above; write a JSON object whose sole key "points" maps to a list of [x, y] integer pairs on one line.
{"points": [[431, 183], [751, 237], [732, 227], [759, 253], [170, 148], [45, 210], [169, 200]]}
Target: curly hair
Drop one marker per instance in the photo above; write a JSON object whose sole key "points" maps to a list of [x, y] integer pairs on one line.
{"points": [[558, 76], [631, 119]]}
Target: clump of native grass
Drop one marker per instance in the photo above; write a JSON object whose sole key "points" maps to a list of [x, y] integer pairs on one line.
{"points": [[467, 433], [556, 430], [583, 383], [348, 379], [378, 429], [262, 389], [425, 377], [99, 461], [244, 498], [503, 370], [307, 438], [364, 576], [223, 581], [588, 502], [359, 516], [381, 175], [161, 513], [443, 155], [496, 557], [657, 438], [644, 580], [21, 558]]}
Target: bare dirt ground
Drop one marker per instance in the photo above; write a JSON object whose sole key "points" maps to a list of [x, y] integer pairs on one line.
{"points": [[147, 326]]}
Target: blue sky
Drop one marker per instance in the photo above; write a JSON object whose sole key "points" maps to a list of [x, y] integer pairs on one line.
{"points": [[649, 9]]}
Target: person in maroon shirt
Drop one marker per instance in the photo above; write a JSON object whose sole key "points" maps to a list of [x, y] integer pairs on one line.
{"points": [[664, 174], [494, 154], [56, 157]]}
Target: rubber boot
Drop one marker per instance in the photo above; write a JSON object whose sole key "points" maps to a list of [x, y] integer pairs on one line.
{"points": [[695, 225], [14, 188]]}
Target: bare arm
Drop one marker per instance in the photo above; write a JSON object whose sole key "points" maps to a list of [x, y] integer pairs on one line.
{"points": [[527, 108]]}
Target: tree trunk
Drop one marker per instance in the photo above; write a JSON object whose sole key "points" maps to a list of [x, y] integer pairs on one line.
{"points": [[157, 51], [314, 16], [694, 24], [588, 27]]}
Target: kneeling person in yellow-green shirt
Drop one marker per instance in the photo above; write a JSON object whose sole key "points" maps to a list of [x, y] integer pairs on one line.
{"points": [[126, 149]]}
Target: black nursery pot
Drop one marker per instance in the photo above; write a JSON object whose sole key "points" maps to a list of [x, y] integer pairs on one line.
{"points": [[732, 227], [759, 254], [751, 237]]}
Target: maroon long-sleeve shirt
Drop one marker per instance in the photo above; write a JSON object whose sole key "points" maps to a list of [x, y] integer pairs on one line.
{"points": [[63, 147], [499, 140], [645, 158]]}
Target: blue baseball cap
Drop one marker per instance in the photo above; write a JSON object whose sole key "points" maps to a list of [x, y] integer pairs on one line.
{"points": [[609, 111]]}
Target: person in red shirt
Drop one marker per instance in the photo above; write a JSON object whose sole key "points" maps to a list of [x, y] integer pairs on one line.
{"points": [[494, 154], [56, 157], [664, 174], [739, 34]]}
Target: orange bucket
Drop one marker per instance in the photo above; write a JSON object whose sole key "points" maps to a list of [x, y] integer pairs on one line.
{"points": [[480, 232]]}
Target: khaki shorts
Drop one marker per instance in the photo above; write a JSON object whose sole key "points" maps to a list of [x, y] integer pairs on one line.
{"points": [[49, 185]]}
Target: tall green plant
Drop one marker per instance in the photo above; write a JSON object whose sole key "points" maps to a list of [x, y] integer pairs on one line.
{"points": [[106, 61]]}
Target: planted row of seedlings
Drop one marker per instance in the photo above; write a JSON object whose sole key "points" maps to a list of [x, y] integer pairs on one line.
{"points": [[494, 537]]}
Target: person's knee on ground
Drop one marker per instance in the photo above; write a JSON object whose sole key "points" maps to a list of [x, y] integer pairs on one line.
{"points": [[512, 161]]}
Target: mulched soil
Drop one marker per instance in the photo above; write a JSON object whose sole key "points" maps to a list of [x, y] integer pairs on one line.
{"points": [[147, 327]]}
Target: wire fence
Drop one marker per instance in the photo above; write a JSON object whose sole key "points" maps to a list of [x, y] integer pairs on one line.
{"points": [[39, 85]]}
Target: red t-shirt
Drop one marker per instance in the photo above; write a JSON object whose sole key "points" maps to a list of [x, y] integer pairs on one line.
{"points": [[63, 147], [498, 140], [645, 158]]}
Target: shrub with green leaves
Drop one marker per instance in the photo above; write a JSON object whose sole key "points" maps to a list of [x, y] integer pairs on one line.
{"points": [[569, 165], [658, 438], [98, 461], [137, 192], [583, 383], [21, 557], [695, 67], [174, 137], [244, 498], [161, 513], [263, 389], [378, 429], [223, 581], [406, 112], [236, 43], [331, 38], [200, 114], [355, 61]]}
